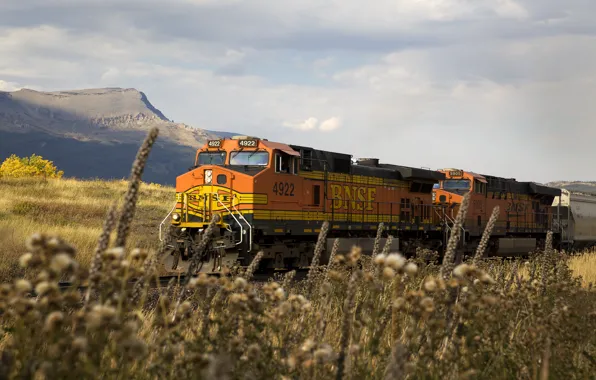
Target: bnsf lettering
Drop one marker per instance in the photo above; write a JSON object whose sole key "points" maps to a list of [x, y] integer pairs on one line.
{"points": [[358, 197], [516, 207]]}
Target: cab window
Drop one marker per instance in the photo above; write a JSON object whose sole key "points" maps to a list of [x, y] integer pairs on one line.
{"points": [[284, 163], [456, 184], [211, 158], [252, 158]]}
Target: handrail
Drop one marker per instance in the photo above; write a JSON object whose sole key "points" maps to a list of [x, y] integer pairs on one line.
{"points": [[248, 224], [164, 219], [232, 215]]}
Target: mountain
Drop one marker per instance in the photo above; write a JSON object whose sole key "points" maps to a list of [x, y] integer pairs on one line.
{"points": [[95, 133], [588, 187]]}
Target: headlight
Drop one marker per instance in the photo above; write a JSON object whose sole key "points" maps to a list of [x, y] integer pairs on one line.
{"points": [[208, 176], [176, 216]]}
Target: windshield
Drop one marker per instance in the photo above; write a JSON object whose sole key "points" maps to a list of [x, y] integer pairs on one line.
{"points": [[259, 158], [211, 158], [452, 184]]}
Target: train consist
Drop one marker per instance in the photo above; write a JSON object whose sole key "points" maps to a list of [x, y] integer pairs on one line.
{"points": [[274, 197]]}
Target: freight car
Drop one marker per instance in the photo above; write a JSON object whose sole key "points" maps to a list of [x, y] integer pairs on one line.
{"points": [[576, 223], [527, 211], [274, 197]]}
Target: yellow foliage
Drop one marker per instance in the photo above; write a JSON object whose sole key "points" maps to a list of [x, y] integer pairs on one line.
{"points": [[34, 166]]}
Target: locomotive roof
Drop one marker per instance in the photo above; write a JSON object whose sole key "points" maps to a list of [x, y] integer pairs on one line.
{"points": [[526, 187], [342, 163], [281, 146]]}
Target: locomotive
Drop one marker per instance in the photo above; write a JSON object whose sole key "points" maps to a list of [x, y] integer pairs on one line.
{"points": [[274, 197], [526, 211]]}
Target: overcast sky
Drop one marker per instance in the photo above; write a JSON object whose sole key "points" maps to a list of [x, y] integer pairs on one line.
{"points": [[503, 87]]}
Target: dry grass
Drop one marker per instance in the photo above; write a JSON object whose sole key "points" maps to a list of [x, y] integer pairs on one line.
{"points": [[584, 265], [358, 318], [74, 210]]}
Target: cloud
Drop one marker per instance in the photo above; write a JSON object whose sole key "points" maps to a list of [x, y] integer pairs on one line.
{"points": [[330, 124], [9, 86], [311, 123], [484, 85], [305, 125]]}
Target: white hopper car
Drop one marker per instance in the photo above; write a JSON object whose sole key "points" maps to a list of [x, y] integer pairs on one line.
{"points": [[577, 216]]}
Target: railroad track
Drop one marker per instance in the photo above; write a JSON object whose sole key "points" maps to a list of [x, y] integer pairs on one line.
{"points": [[163, 281]]}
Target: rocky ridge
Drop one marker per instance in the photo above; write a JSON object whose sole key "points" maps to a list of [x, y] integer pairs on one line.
{"points": [[102, 128]]}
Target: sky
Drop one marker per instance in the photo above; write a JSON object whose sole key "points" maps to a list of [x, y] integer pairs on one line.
{"points": [[501, 87]]}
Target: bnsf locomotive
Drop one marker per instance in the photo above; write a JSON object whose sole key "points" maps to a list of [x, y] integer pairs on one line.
{"points": [[274, 197]]}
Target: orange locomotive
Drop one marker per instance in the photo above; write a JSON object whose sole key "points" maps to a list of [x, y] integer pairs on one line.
{"points": [[274, 197], [526, 212]]}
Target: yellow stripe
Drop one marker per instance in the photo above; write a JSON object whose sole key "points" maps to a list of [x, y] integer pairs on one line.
{"points": [[339, 177]]}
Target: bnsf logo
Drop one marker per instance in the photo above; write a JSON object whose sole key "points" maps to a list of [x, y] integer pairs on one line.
{"points": [[359, 197]]}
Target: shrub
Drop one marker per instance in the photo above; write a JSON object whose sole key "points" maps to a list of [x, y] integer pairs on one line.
{"points": [[34, 166]]}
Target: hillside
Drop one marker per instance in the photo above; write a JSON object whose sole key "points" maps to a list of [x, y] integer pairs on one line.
{"points": [[580, 186], [91, 133]]}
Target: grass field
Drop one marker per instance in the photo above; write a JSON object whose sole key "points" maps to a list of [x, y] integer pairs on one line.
{"points": [[360, 317], [75, 210]]}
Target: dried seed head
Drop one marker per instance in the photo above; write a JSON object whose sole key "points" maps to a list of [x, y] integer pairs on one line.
{"points": [[395, 261], [323, 355], [99, 315], [462, 270], [308, 345], [487, 279], [34, 241], [411, 269], [60, 262], [253, 351], [23, 286], [430, 285], [280, 294], [53, 320], [184, 307], [380, 259], [388, 273], [79, 343], [114, 253], [427, 304], [240, 283], [42, 288], [139, 254], [25, 259], [399, 303]]}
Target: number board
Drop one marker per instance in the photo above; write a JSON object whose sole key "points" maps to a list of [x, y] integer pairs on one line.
{"points": [[214, 143], [247, 143], [456, 173]]}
